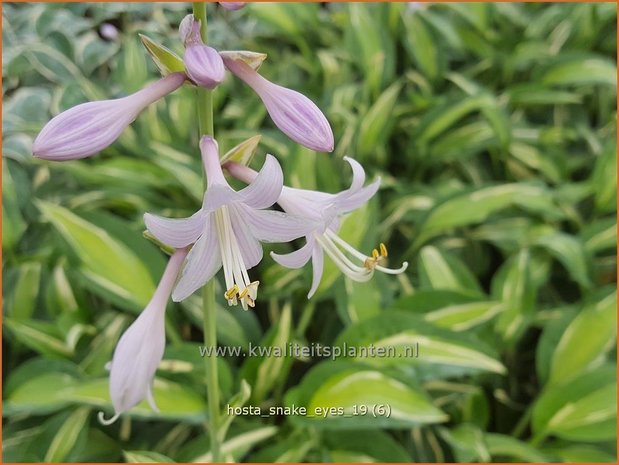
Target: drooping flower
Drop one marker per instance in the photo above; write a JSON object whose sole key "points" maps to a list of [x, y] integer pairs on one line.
{"points": [[325, 210], [232, 5], [88, 128], [292, 112], [203, 64], [228, 229], [140, 349]]}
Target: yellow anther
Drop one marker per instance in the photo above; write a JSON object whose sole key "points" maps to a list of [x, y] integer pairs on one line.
{"points": [[375, 254], [244, 293], [383, 250], [231, 293]]}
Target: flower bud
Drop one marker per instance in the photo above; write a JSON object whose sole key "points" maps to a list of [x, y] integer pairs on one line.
{"points": [[140, 349], [232, 5], [203, 64], [292, 112], [88, 128]]}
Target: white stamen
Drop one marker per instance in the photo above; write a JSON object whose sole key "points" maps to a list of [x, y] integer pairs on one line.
{"points": [[238, 284], [332, 244]]}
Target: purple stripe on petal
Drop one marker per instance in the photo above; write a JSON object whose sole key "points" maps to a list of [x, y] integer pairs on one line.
{"points": [[204, 65], [203, 261], [266, 187]]}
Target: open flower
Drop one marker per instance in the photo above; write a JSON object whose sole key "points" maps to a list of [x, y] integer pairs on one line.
{"points": [[292, 112], [227, 230], [203, 64], [88, 128], [140, 349], [325, 210]]}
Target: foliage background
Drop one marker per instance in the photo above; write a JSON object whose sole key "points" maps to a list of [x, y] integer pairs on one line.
{"points": [[493, 128]]}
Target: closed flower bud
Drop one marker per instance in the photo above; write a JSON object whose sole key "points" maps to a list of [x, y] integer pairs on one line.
{"points": [[140, 349], [232, 5], [203, 64], [86, 129], [292, 112]]}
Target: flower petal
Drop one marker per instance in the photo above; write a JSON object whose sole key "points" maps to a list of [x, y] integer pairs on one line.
{"points": [[317, 267], [203, 261], [218, 195], [274, 226], [266, 188], [204, 65], [358, 174], [251, 249], [295, 259], [354, 201], [176, 232]]}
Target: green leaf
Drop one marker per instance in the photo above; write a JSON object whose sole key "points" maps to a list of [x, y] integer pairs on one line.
{"points": [[583, 409], [570, 252], [66, 437], [165, 59], [514, 286], [235, 447], [501, 446], [41, 336], [378, 122], [464, 316], [334, 392], [399, 335], [587, 337], [580, 70], [107, 264], [442, 271], [23, 299], [376, 445], [421, 46], [145, 456], [475, 207], [12, 219]]}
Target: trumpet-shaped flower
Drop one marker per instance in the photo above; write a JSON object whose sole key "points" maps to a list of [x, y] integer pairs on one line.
{"points": [[325, 210], [203, 64], [292, 112], [88, 128], [228, 229], [140, 349]]}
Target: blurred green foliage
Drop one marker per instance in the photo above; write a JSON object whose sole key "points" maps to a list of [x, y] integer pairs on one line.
{"points": [[493, 128]]}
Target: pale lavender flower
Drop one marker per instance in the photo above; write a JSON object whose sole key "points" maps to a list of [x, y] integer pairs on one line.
{"points": [[108, 31], [140, 349], [325, 210], [203, 64], [88, 128], [232, 5], [292, 112], [228, 229]]}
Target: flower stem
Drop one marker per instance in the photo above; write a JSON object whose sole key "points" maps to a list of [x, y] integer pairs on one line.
{"points": [[205, 125]]}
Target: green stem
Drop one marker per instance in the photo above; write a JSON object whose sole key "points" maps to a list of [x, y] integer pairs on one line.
{"points": [[205, 125]]}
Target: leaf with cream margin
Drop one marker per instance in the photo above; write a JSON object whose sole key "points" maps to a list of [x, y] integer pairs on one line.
{"points": [[333, 393], [109, 265], [399, 335], [583, 409]]}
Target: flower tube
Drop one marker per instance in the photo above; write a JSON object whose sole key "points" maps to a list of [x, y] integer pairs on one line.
{"points": [[232, 5], [140, 349], [325, 210], [292, 112], [88, 128]]}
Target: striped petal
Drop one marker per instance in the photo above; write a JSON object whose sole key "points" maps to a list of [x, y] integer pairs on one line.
{"points": [[317, 267], [266, 187], [295, 259], [274, 226], [176, 232], [203, 261]]}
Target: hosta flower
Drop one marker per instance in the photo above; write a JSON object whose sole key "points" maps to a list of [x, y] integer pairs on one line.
{"points": [[232, 5], [326, 209], [203, 64], [140, 349], [227, 230], [292, 112], [88, 128]]}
